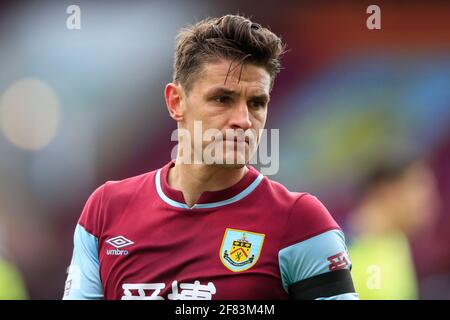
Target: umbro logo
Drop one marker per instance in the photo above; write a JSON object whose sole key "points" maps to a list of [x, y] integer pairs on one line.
{"points": [[118, 242]]}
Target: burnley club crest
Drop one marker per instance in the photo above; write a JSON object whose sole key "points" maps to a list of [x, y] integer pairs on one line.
{"points": [[240, 249]]}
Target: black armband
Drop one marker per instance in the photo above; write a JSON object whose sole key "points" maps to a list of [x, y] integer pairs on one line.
{"points": [[323, 285]]}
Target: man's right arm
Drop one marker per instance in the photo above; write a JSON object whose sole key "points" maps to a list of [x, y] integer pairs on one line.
{"points": [[83, 279]]}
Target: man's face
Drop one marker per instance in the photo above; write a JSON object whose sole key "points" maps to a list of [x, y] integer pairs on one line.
{"points": [[419, 197], [413, 199], [231, 100]]}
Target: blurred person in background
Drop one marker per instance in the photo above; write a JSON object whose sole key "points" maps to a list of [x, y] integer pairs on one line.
{"points": [[11, 284], [399, 200]]}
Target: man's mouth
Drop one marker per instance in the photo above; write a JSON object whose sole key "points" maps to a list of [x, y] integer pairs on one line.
{"points": [[236, 140]]}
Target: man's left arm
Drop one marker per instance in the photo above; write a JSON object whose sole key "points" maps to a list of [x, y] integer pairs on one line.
{"points": [[317, 266]]}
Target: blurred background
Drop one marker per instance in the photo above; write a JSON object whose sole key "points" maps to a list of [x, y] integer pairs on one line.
{"points": [[364, 119]]}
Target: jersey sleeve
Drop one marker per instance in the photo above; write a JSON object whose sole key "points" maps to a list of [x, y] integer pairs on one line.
{"points": [[83, 279], [314, 261]]}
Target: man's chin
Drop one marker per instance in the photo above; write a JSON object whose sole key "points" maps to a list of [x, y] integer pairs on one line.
{"points": [[236, 163], [229, 165]]}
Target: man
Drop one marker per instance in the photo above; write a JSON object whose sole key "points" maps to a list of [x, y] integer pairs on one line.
{"points": [[399, 199], [12, 286], [211, 229]]}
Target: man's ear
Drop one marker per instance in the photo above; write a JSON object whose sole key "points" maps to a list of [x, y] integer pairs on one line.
{"points": [[174, 96]]}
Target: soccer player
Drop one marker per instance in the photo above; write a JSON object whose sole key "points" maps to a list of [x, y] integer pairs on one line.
{"points": [[220, 230], [399, 198]]}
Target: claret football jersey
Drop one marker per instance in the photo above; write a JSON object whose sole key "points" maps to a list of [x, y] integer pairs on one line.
{"points": [[137, 239]]}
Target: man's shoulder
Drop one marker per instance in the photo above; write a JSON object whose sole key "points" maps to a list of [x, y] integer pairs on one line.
{"points": [[114, 188], [307, 215], [280, 192], [111, 199]]}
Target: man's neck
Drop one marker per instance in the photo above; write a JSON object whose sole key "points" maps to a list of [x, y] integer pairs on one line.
{"points": [[194, 179]]}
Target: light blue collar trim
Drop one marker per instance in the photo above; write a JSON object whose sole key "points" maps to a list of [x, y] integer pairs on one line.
{"points": [[177, 204]]}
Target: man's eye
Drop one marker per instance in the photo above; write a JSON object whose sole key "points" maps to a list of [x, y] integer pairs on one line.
{"points": [[257, 104], [223, 99]]}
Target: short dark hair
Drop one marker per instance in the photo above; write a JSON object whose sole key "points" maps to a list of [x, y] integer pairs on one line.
{"points": [[387, 172], [231, 37]]}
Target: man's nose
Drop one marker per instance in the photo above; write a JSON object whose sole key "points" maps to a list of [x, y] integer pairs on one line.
{"points": [[240, 117]]}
